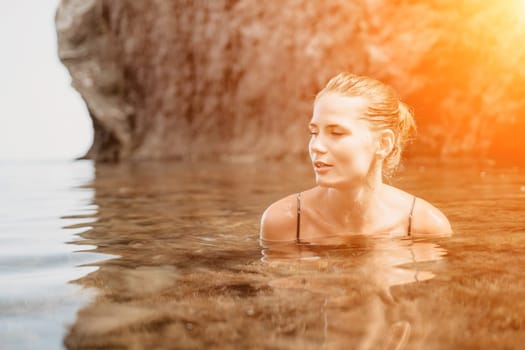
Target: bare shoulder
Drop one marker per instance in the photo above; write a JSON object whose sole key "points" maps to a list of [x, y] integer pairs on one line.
{"points": [[429, 220], [279, 220]]}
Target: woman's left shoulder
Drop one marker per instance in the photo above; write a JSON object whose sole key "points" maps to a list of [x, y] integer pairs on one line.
{"points": [[427, 219]]}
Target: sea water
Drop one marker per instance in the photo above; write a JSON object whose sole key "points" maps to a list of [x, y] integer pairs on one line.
{"points": [[166, 255]]}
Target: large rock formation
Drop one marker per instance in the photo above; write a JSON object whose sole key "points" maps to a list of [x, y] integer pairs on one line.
{"points": [[235, 78]]}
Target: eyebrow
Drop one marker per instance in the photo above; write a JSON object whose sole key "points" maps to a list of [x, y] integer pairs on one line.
{"points": [[327, 126]]}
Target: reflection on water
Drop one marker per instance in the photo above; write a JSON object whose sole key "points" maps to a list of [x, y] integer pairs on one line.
{"points": [[381, 258], [187, 269], [190, 272], [355, 275]]}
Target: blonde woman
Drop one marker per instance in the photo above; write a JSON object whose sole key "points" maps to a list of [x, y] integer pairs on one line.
{"points": [[358, 130]]}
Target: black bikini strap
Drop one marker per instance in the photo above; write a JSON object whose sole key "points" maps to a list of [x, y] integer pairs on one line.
{"points": [[410, 216], [298, 216]]}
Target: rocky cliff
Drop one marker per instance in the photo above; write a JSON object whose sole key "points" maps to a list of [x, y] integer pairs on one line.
{"points": [[235, 79]]}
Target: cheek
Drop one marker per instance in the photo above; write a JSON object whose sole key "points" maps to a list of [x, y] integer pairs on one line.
{"points": [[359, 153]]}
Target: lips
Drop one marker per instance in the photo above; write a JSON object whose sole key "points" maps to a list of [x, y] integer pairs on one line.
{"points": [[321, 165]]}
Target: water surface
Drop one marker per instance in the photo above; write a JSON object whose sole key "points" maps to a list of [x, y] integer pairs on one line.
{"points": [[36, 261], [187, 270]]}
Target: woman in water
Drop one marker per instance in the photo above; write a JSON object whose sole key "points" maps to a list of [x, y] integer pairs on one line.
{"points": [[358, 130]]}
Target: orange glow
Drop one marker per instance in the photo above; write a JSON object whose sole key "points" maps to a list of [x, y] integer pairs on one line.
{"points": [[521, 9]]}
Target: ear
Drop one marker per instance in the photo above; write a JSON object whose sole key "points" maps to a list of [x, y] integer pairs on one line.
{"points": [[385, 143]]}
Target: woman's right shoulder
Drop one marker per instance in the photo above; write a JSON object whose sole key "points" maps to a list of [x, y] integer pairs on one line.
{"points": [[279, 220]]}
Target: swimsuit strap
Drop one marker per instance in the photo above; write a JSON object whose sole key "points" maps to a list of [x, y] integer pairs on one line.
{"points": [[298, 231], [410, 216]]}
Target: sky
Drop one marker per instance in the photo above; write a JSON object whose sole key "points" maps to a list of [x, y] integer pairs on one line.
{"points": [[41, 115]]}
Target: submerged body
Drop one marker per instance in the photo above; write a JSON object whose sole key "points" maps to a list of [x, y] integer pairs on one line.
{"points": [[357, 132]]}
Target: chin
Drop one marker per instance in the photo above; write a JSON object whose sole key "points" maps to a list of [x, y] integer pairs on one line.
{"points": [[324, 182], [335, 183]]}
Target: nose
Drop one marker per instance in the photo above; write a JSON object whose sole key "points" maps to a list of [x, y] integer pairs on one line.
{"points": [[316, 145]]}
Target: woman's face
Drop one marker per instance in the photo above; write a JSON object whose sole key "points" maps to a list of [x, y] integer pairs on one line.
{"points": [[342, 145]]}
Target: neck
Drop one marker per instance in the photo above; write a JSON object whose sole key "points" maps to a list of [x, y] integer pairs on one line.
{"points": [[351, 208]]}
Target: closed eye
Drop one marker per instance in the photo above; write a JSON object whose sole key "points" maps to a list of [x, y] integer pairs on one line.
{"points": [[338, 133], [336, 130]]}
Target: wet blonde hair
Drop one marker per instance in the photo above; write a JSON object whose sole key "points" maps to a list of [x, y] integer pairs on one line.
{"points": [[384, 111]]}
